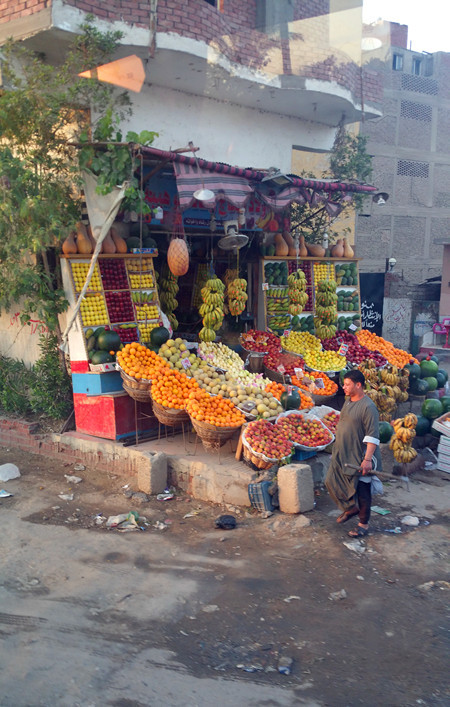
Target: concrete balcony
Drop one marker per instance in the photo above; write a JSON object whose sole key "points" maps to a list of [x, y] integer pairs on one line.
{"points": [[305, 68]]}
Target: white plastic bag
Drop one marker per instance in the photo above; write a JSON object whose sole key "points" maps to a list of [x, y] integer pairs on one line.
{"points": [[8, 472]]}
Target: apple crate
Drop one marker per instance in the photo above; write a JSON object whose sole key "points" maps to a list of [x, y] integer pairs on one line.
{"points": [[442, 424], [260, 498]]}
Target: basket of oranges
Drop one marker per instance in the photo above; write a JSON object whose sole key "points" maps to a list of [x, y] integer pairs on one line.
{"points": [[137, 365], [170, 393], [215, 419]]}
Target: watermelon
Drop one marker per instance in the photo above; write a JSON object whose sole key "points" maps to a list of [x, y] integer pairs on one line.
{"points": [[428, 368], [432, 382], [386, 432], [432, 409], [290, 401], [434, 358], [135, 230], [159, 335], [445, 400], [101, 357], [99, 331], [414, 370], [419, 387], [423, 426], [441, 378], [108, 341], [443, 373]]}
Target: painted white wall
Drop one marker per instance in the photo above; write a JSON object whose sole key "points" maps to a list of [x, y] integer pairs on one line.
{"points": [[20, 341], [224, 132]]}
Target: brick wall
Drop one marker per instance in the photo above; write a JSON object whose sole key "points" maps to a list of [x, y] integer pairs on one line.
{"points": [[399, 35], [15, 9], [132, 12]]}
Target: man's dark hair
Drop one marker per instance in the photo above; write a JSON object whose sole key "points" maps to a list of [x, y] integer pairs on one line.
{"points": [[355, 376]]}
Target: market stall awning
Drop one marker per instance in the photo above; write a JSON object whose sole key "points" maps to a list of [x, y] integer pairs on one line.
{"points": [[237, 184]]}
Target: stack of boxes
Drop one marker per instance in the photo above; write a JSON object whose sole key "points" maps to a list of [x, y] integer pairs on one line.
{"points": [[442, 424]]}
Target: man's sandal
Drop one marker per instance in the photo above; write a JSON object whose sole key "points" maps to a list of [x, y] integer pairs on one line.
{"points": [[358, 532], [346, 515]]}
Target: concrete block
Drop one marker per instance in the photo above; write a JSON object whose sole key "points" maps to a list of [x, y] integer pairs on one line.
{"points": [[152, 478], [295, 488]]}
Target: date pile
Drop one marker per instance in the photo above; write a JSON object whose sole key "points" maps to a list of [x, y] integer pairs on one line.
{"points": [[356, 353]]}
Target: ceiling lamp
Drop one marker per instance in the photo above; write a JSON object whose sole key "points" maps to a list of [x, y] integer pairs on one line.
{"points": [[202, 194], [380, 198], [277, 177]]}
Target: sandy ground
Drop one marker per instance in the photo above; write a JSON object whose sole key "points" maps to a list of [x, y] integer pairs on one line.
{"points": [[192, 615]]}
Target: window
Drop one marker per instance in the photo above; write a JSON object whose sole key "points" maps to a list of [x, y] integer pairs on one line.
{"points": [[216, 3], [416, 66], [397, 62]]}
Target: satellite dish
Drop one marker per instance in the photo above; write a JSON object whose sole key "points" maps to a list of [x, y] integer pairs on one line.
{"points": [[233, 242]]}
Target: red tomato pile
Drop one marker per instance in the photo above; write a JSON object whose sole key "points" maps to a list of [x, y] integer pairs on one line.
{"points": [[268, 439], [287, 360], [305, 431], [355, 353]]}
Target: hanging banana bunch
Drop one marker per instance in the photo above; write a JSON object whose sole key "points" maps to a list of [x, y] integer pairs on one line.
{"points": [[297, 292], [212, 308], [404, 433], [168, 289], [325, 309]]}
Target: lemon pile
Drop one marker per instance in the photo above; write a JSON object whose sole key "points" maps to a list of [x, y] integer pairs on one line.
{"points": [[145, 329], [93, 310], [79, 272], [138, 280], [324, 360], [323, 271], [147, 311], [300, 342]]}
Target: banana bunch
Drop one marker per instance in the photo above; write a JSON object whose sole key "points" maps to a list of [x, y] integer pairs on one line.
{"points": [[325, 309], [212, 308], [323, 331], [168, 290], [263, 221], [237, 296], [281, 321], [387, 384], [277, 292], [278, 305], [390, 375], [404, 433], [297, 292]]}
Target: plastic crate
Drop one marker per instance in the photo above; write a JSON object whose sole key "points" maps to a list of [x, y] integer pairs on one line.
{"points": [[259, 496], [301, 454]]}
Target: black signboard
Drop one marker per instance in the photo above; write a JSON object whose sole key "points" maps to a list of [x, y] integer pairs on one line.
{"points": [[372, 296]]}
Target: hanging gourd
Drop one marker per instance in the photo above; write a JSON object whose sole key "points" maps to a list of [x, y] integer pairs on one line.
{"points": [[292, 250], [119, 242], [84, 245], [348, 250], [281, 247], [337, 250], [69, 247], [302, 250]]}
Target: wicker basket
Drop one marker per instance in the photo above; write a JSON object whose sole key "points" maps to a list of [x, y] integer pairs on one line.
{"points": [[213, 437], [138, 390], [321, 399], [169, 416]]}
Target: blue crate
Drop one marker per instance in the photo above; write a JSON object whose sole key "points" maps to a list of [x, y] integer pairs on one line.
{"points": [[259, 496], [301, 454]]}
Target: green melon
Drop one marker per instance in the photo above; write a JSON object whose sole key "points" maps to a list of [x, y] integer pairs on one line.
{"points": [[290, 401], [432, 409], [444, 373], [423, 426], [91, 343], [419, 386], [428, 368], [441, 378], [445, 400], [159, 335], [386, 432], [108, 341], [414, 370], [101, 357], [135, 231], [432, 382], [99, 331]]}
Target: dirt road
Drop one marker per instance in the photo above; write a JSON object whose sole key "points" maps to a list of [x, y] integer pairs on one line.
{"points": [[191, 615]]}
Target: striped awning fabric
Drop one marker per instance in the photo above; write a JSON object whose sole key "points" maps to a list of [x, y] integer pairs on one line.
{"points": [[230, 187]]}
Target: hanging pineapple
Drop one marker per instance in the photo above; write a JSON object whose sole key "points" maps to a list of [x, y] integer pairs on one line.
{"points": [[212, 308], [168, 290]]}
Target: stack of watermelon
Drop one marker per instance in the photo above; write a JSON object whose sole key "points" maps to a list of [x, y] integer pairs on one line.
{"points": [[426, 377]]}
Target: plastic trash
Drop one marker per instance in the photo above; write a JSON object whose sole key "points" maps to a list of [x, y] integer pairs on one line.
{"points": [[8, 472], [123, 521], [225, 522], [73, 479], [411, 520], [5, 494], [66, 496], [285, 665]]}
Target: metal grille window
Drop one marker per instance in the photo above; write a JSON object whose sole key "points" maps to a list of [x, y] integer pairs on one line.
{"points": [[419, 84], [408, 168], [416, 111]]}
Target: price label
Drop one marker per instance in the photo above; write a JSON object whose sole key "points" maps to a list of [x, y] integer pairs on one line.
{"points": [[299, 373], [352, 327], [265, 286], [286, 332], [249, 338], [290, 388], [343, 349], [281, 369], [185, 363]]}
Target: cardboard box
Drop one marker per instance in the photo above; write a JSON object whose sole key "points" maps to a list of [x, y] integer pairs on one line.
{"points": [[442, 424], [101, 367]]}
